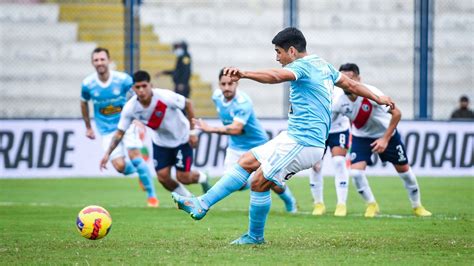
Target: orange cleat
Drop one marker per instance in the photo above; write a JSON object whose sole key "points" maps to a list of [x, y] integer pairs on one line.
{"points": [[153, 202]]}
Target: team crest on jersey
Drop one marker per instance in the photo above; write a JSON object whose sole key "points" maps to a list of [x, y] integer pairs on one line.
{"points": [[365, 107], [116, 91], [96, 94], [159, 113]]}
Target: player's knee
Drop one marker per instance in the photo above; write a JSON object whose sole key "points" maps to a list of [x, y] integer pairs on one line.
{"points": [[260, 183], [278, 189], [402, 168], [248, 162], [119, 165], [339, 162], [162, 178], [317, 167], [183, 177], [356, 174]]}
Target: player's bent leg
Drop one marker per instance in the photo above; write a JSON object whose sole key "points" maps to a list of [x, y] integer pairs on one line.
{"points": [[123, 166], [193, 177], [232, 181], [164, 177], [413, 189], [287, 197], [249, 162], [144, 176], [362, 185]]}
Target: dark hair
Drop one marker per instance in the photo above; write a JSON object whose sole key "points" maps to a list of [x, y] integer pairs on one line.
{"points": [[101, 49], [221, 73], [464, 98], [350, 67], [141, 75], [290, 37]]}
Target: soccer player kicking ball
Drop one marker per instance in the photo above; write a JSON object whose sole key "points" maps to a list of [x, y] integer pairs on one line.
{"points": [[312, 80], [338, 143], [162, 111], [374, 130], [235, 110], [108, 91]]}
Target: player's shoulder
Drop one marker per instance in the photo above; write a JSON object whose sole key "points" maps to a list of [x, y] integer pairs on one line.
{"points": [[217, 95], [163, 92], [120, 75], [242, 98], [90, 80]]}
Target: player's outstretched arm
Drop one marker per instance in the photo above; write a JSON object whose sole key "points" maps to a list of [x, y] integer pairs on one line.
{"points": [[359, 89], [236, 128], [113, 144], [87, 120], [269, 76]]}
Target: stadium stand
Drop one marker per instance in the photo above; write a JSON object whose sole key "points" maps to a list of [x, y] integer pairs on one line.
{"points": [[47, 63], [379, 37], [51, 45]]}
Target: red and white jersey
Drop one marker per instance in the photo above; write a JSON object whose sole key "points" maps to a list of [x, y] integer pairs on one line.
{"points": [[368, 118], [339, 122], [163, 115]]}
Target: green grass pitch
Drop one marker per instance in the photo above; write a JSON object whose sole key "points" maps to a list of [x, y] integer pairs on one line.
{"points": [[37, 226]]}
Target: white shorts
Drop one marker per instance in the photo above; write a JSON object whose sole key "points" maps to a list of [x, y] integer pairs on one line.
{"points": [[231, 158], [131, 140], [282, 157]]}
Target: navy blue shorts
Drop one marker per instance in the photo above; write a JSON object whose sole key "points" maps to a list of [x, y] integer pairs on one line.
{"points": [[181, 157], [361, 151], [338, 139]]}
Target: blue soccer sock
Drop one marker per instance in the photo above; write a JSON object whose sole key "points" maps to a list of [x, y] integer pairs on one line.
{"points": [[145, 176], [129, 168], [232, 181], [260, 203], [288, 198]]}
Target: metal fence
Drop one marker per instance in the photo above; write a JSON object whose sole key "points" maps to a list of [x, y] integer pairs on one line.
{"points": [[46, 45]]}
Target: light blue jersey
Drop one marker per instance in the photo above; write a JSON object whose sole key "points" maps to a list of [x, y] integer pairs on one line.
{"points": [[240, 109], [108, 98], [310, 100]]}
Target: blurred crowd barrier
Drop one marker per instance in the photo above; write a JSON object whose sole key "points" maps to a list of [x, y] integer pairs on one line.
{"points": [[34, 148], [46, 46]]}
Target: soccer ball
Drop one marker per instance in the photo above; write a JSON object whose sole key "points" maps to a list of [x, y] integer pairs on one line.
{"points": [[93, 222]]}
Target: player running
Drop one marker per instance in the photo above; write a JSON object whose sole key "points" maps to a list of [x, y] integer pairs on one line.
{"points": [[162, 111], [235, 109], [312, 80], [374, 130], [338, 143], [108, 91]]}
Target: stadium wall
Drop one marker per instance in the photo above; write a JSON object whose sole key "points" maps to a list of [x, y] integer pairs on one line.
{"points": [[58, 148]]}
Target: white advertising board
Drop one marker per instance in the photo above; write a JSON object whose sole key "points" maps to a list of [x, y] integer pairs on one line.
{"points": [[59, 148]]}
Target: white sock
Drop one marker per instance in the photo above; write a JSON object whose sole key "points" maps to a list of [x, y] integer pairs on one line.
{"points": [[316, 183], [181, 190], [362, 185], [411, 185], [202, 177], [341, 179]]}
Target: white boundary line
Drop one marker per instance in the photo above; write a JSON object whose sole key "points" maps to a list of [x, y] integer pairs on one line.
{"points": [[79, 206]]}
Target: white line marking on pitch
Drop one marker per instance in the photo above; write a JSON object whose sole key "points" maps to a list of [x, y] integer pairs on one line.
{"points": [[47, 204]]}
